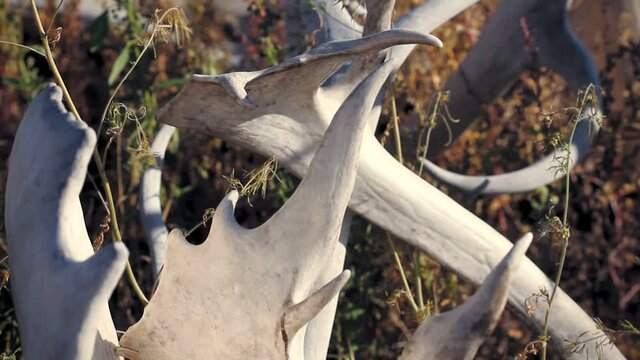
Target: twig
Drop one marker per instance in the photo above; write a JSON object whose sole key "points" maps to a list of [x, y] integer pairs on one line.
{"points": [[101, 170]]}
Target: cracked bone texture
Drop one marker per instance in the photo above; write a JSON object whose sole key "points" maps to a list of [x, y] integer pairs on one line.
{"points": [[494, 63], [262, 285], [457, 334], [245, 109], [59, 287]]}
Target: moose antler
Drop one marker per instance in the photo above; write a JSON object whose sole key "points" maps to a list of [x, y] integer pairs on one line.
{"points": [[60, 288], [521, 33], [254, 110], [269, 281]]}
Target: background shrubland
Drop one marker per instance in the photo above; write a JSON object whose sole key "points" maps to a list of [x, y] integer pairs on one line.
{"points": [[602, 271]]}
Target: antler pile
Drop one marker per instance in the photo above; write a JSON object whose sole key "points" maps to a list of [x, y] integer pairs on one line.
{"points": [[269, 292]]}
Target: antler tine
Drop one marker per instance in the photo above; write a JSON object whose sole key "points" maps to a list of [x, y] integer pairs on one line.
{"points": [[457, 334]]}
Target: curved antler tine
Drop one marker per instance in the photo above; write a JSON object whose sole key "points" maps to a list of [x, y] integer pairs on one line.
{"points": [[501, 50], [527, 179], [424, 19], [342, 83], [60, 288], [150, 206], [458, 334], [300, 314]]}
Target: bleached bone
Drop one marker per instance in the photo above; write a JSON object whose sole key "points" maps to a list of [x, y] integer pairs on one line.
{"points": [[254, 110], [335, 21], [334, 17], [423, 19], [457, 334], [322, 20], [264, 281], [60, 288], [150, 207], [502, 54]]}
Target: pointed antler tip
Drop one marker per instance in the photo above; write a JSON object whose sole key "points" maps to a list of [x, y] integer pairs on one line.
{"points": [[298, 315]]}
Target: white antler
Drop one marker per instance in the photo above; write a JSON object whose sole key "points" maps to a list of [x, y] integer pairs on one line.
{"points": [[521, 33], [255, 111], [457, 334], [268, 282], [60, 289]]}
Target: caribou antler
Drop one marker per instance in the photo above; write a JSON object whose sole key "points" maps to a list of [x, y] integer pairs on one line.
{"points": [[60, 289], [255, 111], [457, 334], [269, 281], [521, 33]]}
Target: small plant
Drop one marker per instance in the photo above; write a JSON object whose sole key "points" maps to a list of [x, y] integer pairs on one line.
{"points": [[557, 228], [438, 112], [606, 337], [257, 180]]}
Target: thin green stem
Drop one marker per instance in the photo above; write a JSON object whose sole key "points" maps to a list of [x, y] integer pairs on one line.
{"points": [[430, 125], [44, 37], [403, 276], [417, 268], [396, 129], [55, 14], [133, 66], [96, 156], [424, 152], [565, 245], [24, 47], [419, 307], [116, 228]]}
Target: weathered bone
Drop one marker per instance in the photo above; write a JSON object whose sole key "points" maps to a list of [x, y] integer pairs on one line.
{"points": [[333, 28], [335, 21], [60, 289], [150, 207], [299, 315], [255, 111], [323, 20], [260, 280], [423, 19], [457, 334], [502, 53]]}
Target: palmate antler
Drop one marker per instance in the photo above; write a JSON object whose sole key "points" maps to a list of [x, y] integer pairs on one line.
{"points": [[250, 294], [254, 110], [243, 294], [262, 286], [60, 288]]}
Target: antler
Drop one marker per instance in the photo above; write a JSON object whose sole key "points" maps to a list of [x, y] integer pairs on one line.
{"points": [[270, 281], [150, 207], [503, 52], [255, 111], [457, 334], [60, 288]]}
